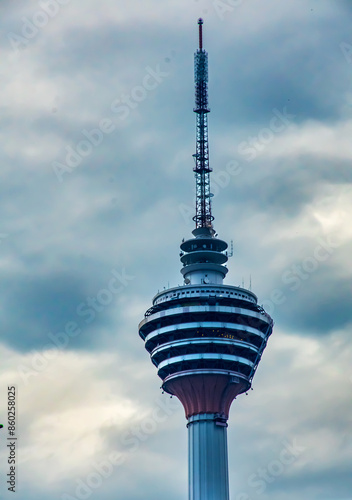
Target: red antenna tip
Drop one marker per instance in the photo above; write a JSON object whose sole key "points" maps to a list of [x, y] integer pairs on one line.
{"points": [[200, 23]]}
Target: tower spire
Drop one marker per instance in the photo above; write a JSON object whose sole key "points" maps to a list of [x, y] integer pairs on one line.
{"points": [[203, 217], [200, 24]]}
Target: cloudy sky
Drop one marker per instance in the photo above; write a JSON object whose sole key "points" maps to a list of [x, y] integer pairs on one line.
{"points": [[96, 194]]}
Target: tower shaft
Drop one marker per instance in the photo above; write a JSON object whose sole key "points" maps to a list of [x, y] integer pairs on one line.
{"points": [[208, 462]]}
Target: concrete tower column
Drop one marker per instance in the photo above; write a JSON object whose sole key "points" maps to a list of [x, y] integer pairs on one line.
{"points": [[207, 457]]}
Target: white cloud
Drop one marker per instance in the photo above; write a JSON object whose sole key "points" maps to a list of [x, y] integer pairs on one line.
{"points": [[324, 141]]}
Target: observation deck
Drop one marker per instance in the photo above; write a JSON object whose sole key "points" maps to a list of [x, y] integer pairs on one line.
{"points": [[206, 341]]}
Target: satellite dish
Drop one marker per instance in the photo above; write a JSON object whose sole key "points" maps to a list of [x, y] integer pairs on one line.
{"points": [[206, 281], [187, 281]]}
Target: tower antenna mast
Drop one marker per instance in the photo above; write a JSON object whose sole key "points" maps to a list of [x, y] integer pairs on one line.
{"points": [[203, 217]]}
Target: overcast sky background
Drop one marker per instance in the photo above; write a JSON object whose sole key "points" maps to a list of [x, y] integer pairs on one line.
{"points": [[124, 209]]}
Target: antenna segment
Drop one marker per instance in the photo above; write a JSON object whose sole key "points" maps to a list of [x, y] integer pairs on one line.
{"points": [[203, 217], [200, 24]]}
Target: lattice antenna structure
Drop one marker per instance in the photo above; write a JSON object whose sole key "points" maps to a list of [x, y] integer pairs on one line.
{"points": [[203, 217]]}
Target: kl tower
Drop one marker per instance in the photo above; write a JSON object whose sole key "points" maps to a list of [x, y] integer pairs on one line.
{"points": [[205, 338]]}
